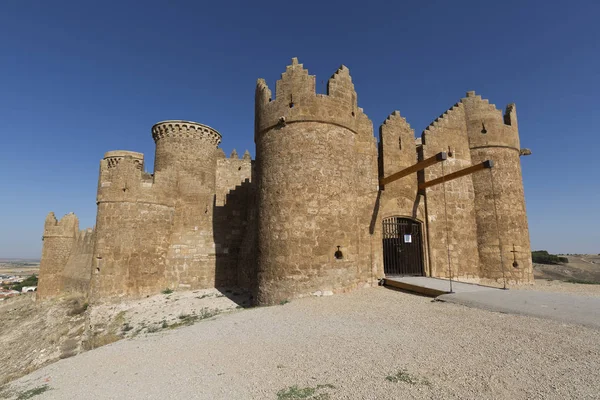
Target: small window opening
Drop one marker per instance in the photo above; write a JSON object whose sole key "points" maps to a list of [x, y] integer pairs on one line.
{"points": [[483, 130], [400, 143], [353, 113], [291, 104], [338, 254]]}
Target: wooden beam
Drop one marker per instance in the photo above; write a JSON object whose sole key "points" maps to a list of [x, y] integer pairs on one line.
{"points": [[412, 169], [458, 174]]}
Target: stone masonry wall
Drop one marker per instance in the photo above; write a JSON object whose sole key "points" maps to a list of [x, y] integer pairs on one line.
{"points": [[59, 239], [400, 198], [78, 270], [234, 188], [133, 227], [317, 175], [186, 163], [448, 133], [495, 136]]}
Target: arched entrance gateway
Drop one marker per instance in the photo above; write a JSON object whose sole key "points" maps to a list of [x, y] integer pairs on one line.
{"points": [[402, 247]]}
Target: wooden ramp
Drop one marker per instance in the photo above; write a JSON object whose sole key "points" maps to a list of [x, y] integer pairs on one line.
{"points": [[432, 287]]}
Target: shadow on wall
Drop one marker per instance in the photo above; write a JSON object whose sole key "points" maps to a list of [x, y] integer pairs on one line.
{"points": [[234, 229]]}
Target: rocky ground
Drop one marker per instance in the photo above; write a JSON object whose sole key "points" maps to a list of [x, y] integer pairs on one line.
{"points": [[369, 344]]}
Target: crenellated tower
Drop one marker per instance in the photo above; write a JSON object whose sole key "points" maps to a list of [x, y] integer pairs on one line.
{"points": [[317, 182], [133, 224], [495, 136]]}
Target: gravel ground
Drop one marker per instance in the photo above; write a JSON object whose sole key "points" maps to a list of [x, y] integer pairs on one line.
{"points": [[370, 344]]}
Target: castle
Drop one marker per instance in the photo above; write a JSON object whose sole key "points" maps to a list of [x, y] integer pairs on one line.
{"points": [[308, 216]]}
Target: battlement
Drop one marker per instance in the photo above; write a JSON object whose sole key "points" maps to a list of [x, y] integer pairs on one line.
{"points": [[185, 129], [487, 125], [297, 101], [395, 118], [67, 226], [122, 178], [114, 157], [445, 118], [482, 105]]}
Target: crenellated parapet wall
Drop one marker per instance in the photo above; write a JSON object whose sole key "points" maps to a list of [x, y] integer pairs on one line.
{"points": [[231, 172], [185, 130], [487, 126], [297, 101], [123, 179]]}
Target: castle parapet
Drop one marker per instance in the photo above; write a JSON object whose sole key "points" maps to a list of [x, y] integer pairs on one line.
{"points": [[487, 126], [186, 130], [297, 101], [122, 179]]}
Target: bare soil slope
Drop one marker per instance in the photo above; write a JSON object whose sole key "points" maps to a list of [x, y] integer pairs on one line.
{"points": [[581, 267]]}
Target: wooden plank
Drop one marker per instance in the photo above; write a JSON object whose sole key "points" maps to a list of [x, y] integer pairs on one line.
{"points": [[458, 174], [412, 169], [431, 292]]}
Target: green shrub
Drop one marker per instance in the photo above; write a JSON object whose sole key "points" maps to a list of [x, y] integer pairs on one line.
{"points": [[543, 257]]}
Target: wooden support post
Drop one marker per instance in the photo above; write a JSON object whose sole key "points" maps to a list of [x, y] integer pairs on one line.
{"points": [[457, 174], [412, 169]]}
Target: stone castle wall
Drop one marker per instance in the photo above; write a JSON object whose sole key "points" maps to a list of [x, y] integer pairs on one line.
{"points": [[59, 239], [447, 134], [234, 203], [306, 217], [78, 269], [133, 224]]}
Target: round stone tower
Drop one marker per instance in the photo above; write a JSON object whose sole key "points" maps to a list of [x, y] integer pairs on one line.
{"points": [[186, 163], [317, 178], [496, 137]]}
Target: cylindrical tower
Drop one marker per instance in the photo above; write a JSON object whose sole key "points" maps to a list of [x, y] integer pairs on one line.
{"points": [[133, 226], [311, 151], [59, 238], [186, 163], [496, 137]]}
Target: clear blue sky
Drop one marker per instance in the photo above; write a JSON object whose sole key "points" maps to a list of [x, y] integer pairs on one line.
{"points": [[79, 78]]}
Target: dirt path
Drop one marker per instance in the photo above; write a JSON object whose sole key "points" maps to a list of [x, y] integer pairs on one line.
{"points": [[370, 344]]}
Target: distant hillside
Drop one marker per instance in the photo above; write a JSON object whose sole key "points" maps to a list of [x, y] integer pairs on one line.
{"points": [[580, 268]]}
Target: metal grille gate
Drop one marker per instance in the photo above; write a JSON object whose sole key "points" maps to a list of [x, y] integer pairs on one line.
{"points": [[402, 248]]}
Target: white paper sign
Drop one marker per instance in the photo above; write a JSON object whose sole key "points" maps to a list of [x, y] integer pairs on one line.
{"points": [[407, 238]]}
